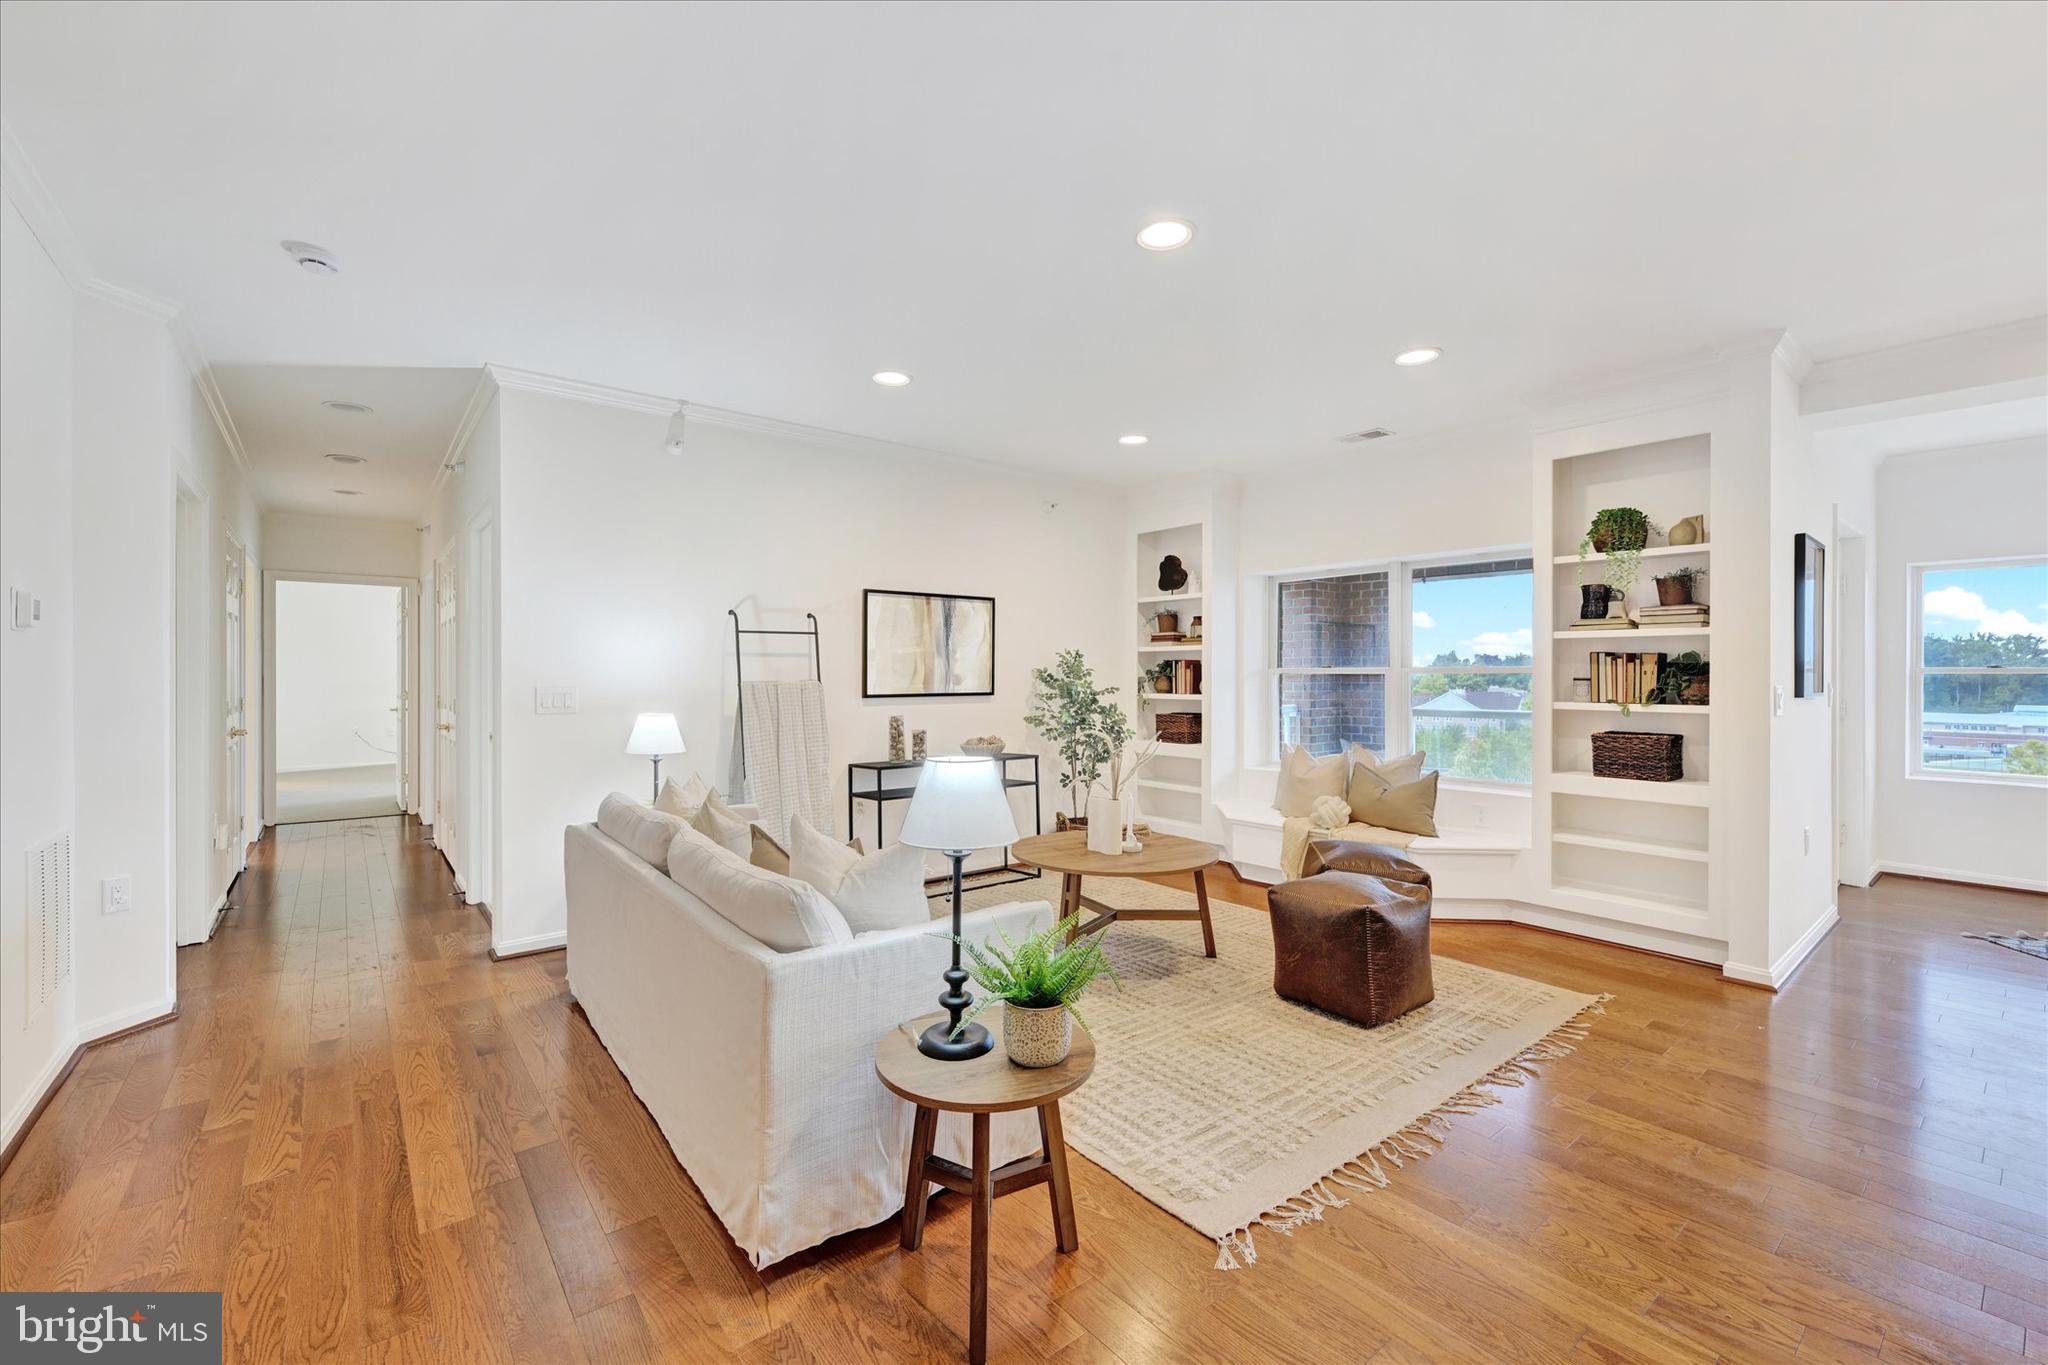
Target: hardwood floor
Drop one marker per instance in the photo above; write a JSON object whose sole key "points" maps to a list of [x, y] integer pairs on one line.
{"points": [[383, 1146]]}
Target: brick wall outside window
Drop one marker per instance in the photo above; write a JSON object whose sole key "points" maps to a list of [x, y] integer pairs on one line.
{"points": [[1333, 623]]}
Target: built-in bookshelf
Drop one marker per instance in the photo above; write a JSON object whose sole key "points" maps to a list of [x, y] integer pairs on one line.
{"points": [[1638, 852], [1172, 791]]}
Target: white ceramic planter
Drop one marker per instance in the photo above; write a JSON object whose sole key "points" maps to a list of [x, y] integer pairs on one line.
{"points": [[1105, 826], [1039, 1037]]}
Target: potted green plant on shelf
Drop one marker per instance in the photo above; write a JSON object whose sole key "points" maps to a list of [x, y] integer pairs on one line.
{"points": [[1038, 982], [1157, 678], [1683, 680], [1082, 724], [1619, 533], [1675, 589]]}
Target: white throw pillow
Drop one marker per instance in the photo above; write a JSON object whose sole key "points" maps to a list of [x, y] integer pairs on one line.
{"points": [[682, 798], [879, 890], [1304, 777], [781, 912], [639, 826], [716, 821]]}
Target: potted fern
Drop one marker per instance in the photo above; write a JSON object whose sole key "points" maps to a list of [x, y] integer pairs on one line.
{"points": [[1038, 981]]}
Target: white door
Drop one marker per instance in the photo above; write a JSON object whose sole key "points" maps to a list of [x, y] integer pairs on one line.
{"points": [[234, 795], [447, 749], [403, 710]]}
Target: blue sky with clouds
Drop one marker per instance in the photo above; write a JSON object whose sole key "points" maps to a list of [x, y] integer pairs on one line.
{"points": [[2004, 599], [1472, 616]]}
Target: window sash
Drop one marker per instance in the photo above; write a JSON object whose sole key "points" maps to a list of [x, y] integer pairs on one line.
{"points": [[1920, 670]]}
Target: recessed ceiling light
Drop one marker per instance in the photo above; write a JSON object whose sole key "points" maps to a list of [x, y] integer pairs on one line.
{"points": [[343, 405], [314, 260], [1133, 439], [1166, 234], [347, 492], [891, 379], [344, 459], [1418, 355]]}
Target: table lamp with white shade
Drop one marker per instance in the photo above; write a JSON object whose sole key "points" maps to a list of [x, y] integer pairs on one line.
{"points": [[655, 733], [959, 806]]}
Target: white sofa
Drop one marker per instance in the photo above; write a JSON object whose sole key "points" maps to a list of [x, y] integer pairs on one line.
{"points": [[758, 1064]]}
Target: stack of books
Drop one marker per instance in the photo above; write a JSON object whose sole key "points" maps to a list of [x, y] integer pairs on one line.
{"points": [[1186, 676], [1691, 614], [1604, 623], [1630, 678]]}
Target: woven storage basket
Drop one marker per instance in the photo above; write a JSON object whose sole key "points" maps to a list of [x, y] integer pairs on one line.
{"points": [[1641, 757], [1179, 727]]}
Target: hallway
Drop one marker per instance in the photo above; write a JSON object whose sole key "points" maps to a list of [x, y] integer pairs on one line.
{"points": [[322, 794], [384, 1146]]}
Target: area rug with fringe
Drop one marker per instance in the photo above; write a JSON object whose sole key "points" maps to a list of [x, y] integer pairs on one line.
{"points": [[1233, 1109]]}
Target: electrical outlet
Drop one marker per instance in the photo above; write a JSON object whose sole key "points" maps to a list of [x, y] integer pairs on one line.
{"points": [[117, 895], [1806, 838], [1777, 700]]}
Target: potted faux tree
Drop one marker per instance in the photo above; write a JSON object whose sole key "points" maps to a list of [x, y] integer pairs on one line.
{"points": [[1071, 713], [1038, 981]]}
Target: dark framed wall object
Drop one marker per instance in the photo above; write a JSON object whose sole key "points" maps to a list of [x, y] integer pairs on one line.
{"points": [[1809, 616], [927, 644]]}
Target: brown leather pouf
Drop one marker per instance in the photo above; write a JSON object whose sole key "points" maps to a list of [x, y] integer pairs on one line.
{"points": [[1352, 943]]}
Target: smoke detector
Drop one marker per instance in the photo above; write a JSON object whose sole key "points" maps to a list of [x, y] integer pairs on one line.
{"points": [[1369, 434], [344, 459], [314, 260], [344, 405]]}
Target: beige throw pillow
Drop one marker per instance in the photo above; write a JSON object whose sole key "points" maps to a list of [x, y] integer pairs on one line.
{"points": [[781, 912], [1304, 777], [879, 890], [1394, 770], [716, 821], [682, 798], [639, 826], [773, 857], [1409, 807]]}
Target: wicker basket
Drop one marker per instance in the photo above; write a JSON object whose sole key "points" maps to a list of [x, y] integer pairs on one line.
{"points": [[1179, 727], [1639, 757]]}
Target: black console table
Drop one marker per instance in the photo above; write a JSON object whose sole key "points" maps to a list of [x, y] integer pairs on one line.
{"points": [[894, 779]]}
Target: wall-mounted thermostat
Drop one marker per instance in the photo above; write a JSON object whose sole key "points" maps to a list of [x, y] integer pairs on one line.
{"points": [[28, 609]]}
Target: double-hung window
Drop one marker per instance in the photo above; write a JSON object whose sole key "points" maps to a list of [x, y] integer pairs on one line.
{"points": [[1406, 655], [1980, 670]]}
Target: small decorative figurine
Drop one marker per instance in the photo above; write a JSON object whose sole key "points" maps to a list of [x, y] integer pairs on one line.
{"points": [[1172, 577], [896, 754], [917, 746]]}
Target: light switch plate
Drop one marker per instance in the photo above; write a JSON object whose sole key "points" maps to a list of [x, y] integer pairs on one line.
{"points": [[26, 609], [554, 701]]}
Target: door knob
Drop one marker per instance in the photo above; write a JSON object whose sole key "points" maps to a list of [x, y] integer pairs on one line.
{"points": [[237, 733], [449, 728]]}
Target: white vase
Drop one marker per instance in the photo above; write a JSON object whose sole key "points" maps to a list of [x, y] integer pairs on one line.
{"points": [[1105, 826], [1038, 1037]]}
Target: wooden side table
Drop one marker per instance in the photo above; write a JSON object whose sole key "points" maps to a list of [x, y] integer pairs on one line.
{"points": [[1067, 854], [985, 1085]]}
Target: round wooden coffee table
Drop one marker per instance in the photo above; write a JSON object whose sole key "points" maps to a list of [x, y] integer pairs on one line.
{"points": [[1067, 853], [980, 1086]]}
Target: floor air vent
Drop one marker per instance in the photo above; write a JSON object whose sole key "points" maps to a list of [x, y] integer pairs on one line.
{"points": [[49, 920]]}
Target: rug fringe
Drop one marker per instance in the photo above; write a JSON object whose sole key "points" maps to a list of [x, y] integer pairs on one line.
{"points": [[1234, 1250]]}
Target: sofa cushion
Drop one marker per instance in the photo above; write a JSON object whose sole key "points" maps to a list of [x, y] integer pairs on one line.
{"points": [[785, 914], [716, 821], [682, 798], [1304, 777], [640, 827], [879, 890], [764, 852]]}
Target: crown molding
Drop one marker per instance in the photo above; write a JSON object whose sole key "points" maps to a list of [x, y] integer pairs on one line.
{"points": [[2009, 360], [480, 397], [25, 189], [555, 386]]}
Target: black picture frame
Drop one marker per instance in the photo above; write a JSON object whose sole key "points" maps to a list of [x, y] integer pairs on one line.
{"points": [[870, 682], [1809, 616]]}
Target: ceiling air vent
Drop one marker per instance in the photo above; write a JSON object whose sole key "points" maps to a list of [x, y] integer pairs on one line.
{"points": [[1369, 434]]}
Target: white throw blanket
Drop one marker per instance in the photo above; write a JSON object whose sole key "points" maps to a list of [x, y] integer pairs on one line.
{"points": [[783, 727]]}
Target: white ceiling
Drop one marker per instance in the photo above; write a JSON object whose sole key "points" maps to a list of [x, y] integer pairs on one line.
{"points": [[288, 434], [756, 206]]}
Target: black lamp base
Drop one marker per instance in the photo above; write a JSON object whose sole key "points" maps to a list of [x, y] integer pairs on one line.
{"points": [[938, 1041]]}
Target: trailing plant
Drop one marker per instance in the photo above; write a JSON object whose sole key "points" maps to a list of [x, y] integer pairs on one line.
{"points": [[1043, 971], [1079, 720], [1620, 533]]}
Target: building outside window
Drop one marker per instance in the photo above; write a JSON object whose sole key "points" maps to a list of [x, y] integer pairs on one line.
{"points": [[1407, 655], [1980, 670]]}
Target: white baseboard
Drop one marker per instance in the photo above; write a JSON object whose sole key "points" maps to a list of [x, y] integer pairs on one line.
{"points": [[79, 1037], [336, 767], [126, 1019], [1957, 874], [534, 943], [1779, 972]]}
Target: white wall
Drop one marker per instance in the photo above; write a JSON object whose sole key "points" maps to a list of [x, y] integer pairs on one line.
{"points": [[38, 778], [1983, 502], [337, 675], [340, 545], [619, 562]]}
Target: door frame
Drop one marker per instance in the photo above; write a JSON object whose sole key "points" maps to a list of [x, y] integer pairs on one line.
{"points": [[192, 706], [231, 816], [478, 720], [409, 603]]}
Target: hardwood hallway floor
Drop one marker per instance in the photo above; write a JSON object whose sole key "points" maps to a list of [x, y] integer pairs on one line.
{"points": [[383, 1146]]}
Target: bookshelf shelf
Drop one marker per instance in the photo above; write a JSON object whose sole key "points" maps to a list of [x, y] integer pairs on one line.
{"points": [[1640, 632], [1652, 552]]}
